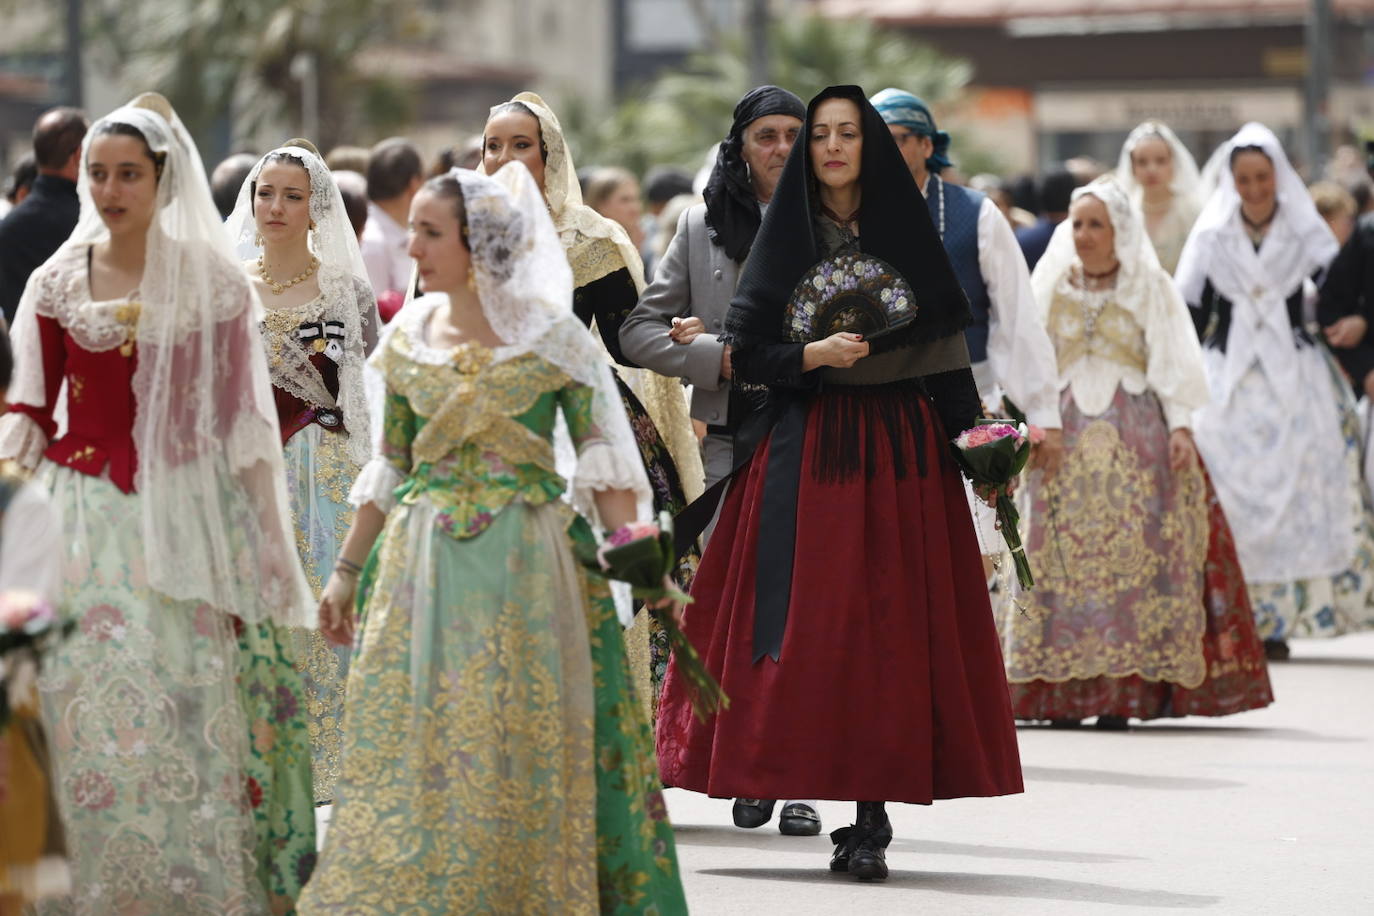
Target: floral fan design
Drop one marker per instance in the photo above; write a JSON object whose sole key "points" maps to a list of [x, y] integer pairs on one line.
{"points": [[852, 292]]}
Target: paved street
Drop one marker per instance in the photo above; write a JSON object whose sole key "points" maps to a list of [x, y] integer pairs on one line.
{"points": [[1265, 812]]}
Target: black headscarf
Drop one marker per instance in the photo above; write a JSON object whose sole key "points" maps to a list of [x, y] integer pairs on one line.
{"points": [[732, 207], [894, 225]]}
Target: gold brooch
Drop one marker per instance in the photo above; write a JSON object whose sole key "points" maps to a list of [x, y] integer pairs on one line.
{"points": [[128, 315]]}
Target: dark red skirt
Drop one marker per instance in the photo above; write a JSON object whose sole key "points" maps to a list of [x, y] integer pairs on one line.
{"points": [[890, 685], [1237, 672]]}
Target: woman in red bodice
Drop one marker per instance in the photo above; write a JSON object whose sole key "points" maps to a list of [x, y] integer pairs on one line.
{"points": [[180, 749]]}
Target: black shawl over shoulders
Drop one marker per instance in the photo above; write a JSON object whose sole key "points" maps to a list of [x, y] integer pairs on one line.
{"points": [[894, 225]]}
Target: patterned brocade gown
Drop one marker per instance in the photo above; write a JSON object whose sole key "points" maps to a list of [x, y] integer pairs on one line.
{"points": [[495, 758], [178, 737], [315, 356], [1140, 607]]}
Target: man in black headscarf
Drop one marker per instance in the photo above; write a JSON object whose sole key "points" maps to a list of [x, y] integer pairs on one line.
{"points": [[675, 329]]}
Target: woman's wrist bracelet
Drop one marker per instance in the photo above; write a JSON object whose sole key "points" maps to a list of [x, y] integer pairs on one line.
{"points": [[348, 564]]}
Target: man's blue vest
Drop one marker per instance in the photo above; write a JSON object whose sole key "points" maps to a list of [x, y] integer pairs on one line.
{"points": [[961, 243]]}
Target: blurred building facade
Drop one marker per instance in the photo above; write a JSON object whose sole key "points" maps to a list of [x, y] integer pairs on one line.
{"points": [[1058, 78], [463, 57]]}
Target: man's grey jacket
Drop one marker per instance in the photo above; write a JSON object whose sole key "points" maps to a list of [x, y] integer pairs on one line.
{"points": [[694, 278]]}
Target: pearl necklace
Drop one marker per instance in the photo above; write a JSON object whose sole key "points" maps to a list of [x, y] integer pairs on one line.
{"points": [[279, 288]]}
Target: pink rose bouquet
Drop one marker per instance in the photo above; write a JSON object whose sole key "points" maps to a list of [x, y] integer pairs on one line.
{"points": [[642, 554], [992, 454]]}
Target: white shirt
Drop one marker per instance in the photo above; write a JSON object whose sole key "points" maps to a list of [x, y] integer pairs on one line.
{"points": [[1020, 354], [30, 544], [384, 245]]}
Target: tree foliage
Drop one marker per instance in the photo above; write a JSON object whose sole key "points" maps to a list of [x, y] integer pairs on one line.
{"points": [[216, 59], [677, 117]]}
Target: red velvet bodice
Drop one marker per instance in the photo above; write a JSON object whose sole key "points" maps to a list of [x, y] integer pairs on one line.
{"points": [[100, 406]]}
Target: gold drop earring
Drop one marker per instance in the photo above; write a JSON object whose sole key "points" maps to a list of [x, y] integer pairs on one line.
{"points": [[257, 239], [472, 278]]}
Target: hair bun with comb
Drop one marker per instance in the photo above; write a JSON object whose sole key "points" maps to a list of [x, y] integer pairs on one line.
{"points": [[154, 101], [304, 144]]}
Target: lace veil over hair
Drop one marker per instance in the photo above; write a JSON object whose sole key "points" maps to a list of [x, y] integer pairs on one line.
{"points": [[1136, 278], [1143, 288], [216, 523], [578, 225], [344, 287], [1298, 243], [584, 234], [1186, 184], [525, 287], [1302, 243]]}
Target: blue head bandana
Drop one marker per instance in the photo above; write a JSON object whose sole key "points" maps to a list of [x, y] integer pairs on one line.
{"points": [[903, 109]]}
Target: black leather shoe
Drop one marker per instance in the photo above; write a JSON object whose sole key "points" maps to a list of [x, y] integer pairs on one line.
{"points": [[844, 845], [753, 812], [1113, 723], [799, 820], [868, 861], [862, 850], [1276, 650]]}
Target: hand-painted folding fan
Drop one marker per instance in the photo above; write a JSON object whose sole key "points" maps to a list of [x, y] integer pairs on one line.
{"points": [[851, 292]]}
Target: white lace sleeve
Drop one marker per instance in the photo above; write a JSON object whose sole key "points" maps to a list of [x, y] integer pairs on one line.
{"points": [[376, 484], [601, 466], [21, 439]]}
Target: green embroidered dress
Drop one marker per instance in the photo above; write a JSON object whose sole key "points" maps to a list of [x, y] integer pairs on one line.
{"points": [[494, 757]]}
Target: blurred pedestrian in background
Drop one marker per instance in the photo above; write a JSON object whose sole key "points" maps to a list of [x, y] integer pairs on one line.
{"points": [[614, 193], [348, 159], [1161, 176], [1346, 308], [228, 178], [1337, 207], [661, 185], [999, 192], [34, 229], [394, 174], [353, 189], [1054, 193], [20, 182]]}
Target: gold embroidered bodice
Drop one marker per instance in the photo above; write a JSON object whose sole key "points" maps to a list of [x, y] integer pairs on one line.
{"points": [[474, 434], [1084, 323]]}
